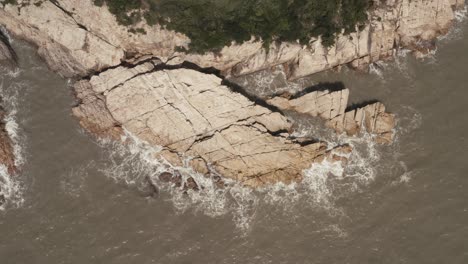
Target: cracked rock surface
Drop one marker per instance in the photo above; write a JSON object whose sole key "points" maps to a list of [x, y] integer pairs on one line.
{"points": [[331, 106], [133, 82], [194, 115], [79, 38]]}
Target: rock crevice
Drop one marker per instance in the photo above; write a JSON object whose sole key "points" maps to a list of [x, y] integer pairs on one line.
{"points": [[139, 83], [331, 106], [75, 45], [194, 114]]}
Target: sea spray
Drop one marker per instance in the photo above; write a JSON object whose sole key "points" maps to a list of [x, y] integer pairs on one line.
{"points": [[456, 32], [264, 83], [11, 188], [376, 68], [135, 161], [461, 14]]}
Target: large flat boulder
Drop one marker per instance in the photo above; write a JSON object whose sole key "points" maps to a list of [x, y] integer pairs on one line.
{"points": [[193, 115]]}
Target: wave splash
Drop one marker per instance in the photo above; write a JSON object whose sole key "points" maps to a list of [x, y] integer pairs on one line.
{"points": [[134, 163], [11, 188]]}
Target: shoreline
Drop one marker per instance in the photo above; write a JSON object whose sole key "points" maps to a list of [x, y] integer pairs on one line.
{"points": [[85, 66]]}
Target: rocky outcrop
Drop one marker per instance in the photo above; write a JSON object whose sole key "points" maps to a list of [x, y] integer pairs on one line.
{"points": [[7, 54], [372, 118], [195, 116], [72, 43], [7, 157], [135, 83], [332, 107]]}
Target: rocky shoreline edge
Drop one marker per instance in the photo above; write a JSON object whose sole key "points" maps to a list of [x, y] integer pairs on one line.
{"points": [[131, 84]]}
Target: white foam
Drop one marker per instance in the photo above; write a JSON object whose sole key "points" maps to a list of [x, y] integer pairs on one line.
{"points": [[10, 190], [461, 14], [10, 185], [266, 81], [363, 158], [406, 176], [376, 68], [409, 120], [136, 160], [73, 183], [5, 33], [133, 162], [456, 32], [399, 62]]}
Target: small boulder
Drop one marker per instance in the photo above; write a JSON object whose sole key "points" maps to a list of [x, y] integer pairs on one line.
{"points": [[2, 199], [191, 184], [218, 181], [151, 189], [177, 179], [165, 177]]}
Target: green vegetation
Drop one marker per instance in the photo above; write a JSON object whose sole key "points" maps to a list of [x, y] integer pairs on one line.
{"points": [[212, 24], [11, 2]]}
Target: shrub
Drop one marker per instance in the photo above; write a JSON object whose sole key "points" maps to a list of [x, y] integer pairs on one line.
{"points": [[212, 24]]}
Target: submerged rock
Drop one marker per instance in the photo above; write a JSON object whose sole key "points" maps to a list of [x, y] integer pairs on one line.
{"points": [[174, 178], [191, 184], [165, 177], [2, 199], [151, 189]]}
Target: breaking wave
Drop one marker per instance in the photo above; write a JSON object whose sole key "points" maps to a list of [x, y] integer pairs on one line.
{"points": [[456, 31], [265, 83], [134, 163], [11, 189], [462, 14]]}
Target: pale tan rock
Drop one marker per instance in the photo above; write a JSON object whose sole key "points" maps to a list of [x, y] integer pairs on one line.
{"points": [[93, 114], [199, 165], [73, 43], [324, 104], [173, 158], [106, 81], [331, 107], [371, 118], [194, 115]]}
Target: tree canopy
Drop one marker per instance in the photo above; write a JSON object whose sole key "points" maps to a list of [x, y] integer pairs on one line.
{"points": [[213, 24]]}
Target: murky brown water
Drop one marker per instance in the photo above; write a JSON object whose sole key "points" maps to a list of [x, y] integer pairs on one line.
{"points": [[81, 201]]}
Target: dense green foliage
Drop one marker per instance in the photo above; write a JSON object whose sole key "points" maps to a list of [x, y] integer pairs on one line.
{"points": [[212, 24], [11, 2]]}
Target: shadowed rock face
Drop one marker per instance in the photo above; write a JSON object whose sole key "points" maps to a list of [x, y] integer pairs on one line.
{"points": [[68, 36], [7, 54], [332, 107], [192, 114]]}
